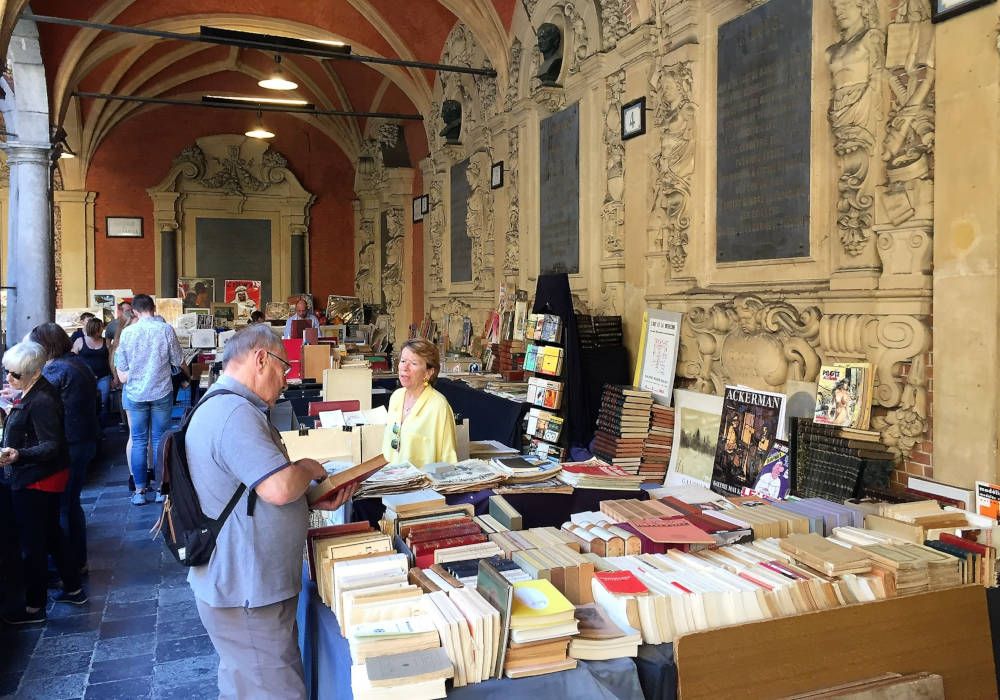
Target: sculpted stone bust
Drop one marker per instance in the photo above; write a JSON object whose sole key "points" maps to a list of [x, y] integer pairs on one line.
{"points": [[550, 44], [451, 114]]}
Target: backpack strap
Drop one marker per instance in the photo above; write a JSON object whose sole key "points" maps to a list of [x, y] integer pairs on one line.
{"points": [[252, 498]]}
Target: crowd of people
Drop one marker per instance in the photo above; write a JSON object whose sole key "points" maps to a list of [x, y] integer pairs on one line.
{"points": [[56, 399], [56, 388]]}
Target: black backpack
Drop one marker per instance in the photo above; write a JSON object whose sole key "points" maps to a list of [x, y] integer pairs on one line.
{"points": [[188, 533]]}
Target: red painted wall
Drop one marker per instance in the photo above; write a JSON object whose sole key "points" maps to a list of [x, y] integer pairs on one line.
{"points": [[138, 154]]}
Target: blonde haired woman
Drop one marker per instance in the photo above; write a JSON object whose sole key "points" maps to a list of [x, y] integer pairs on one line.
{"points": [[421, 425]]}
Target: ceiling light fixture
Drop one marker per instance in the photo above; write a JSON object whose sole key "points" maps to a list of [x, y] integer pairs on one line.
{"points": [[258, 130], [278, 81], [240, 99]]}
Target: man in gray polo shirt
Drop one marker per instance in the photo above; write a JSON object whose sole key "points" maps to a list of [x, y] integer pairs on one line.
{"points": [[246, 594]]}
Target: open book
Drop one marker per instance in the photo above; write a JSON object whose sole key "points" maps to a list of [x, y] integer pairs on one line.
{"points": [[328, 487]]}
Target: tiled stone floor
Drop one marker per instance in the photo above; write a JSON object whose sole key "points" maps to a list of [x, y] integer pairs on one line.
{"points": [[139, 636]]}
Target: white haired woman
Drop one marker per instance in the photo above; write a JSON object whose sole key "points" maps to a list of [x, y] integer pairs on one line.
{"points": [[35, 467]]}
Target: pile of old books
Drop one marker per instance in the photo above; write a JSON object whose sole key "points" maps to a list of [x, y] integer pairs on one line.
{"points": [[595, 474], [467, 475], [542, 623], [599, 638], [596, 332], [622, 426], [656, 449], [525, 469], [393, 479]]}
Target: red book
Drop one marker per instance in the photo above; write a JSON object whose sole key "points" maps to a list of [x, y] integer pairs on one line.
{"points": [[620, 582], [439, 533], [413, 530], [422, 548], [967, 545], [677, 530]]}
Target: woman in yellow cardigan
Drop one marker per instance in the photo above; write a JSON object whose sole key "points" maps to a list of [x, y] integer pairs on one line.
{"points": [[421, 425]]}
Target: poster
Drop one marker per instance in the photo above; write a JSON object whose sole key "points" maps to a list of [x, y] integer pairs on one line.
{"points": [[696, 432], [225, 315], [246, 295], [197, 292], [276, 311], [107, 300], [658, 346], [170, 309], [751, 422]]}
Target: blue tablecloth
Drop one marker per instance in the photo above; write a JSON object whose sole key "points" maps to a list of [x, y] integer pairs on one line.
{"points": [[327, 660]]}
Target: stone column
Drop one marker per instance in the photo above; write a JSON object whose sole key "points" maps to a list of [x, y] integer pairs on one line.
{"points": [[31, 257]]}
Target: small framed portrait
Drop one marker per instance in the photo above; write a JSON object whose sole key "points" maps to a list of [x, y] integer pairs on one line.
{"points": [[123, 226], [946, 9], [425, 203], [496, 176], [634, 118], [418, 209]]}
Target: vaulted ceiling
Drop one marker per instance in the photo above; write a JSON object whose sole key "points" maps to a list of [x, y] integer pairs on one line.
{"points": [[87, 60]]}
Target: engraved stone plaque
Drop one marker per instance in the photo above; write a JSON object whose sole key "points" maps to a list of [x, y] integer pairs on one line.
{"points": [[559, 190], [763, 135], [461, 244]]}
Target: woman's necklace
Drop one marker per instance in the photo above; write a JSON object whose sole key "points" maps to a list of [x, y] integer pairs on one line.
{"points": [[409, 403]]}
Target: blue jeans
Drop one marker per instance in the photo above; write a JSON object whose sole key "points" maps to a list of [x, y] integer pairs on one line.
{"points": [[145, 417], [71, 517], [104, 388]]}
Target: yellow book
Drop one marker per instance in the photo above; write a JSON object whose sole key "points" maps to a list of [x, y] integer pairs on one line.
{"points": [[539, 604]]}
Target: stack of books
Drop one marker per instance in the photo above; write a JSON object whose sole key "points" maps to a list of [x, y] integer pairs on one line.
{"points": [[623, 426], [545, 393], [511, 356], [327, 546], [542, 624], [467, 475], [656, 449], [525, 468], [418, 675], [468, 627], [598, 332], [599, 638], [545, 327], [595, 474]]}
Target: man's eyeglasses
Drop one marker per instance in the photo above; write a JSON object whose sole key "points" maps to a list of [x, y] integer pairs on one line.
{"points": [[395, 439], [286, 363]]}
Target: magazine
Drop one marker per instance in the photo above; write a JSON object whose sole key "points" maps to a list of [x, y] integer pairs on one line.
{"points": [[750, 424]]}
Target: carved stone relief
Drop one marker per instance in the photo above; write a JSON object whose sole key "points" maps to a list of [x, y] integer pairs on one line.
{"points": [[673, 162], [906, 196], [480, 221], [436, 228], [613, 208], [364, 281], [614, 22], [392, 271], [512, 240], [763, 344], [580, 45], [514, 76], [856, 69]]}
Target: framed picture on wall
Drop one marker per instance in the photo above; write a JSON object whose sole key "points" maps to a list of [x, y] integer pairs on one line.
{"points": [[418, 209], [123, 226], [634, 118], [425, 203], [945, 9]]}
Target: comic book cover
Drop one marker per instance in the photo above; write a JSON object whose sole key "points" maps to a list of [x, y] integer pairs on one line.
{"points": [[843, 395], [749, 426], [775, 477]]}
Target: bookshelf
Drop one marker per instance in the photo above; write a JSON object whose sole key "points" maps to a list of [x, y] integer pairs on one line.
{"points": [[544, 365]]}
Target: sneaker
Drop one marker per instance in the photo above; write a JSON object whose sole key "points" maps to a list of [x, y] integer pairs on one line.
{"points": [[139, 498], [24, 617], [78, 598], [159, 497], [54, 581]]}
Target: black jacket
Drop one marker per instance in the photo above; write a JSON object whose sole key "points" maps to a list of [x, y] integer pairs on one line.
{"points": [[35, 429]]}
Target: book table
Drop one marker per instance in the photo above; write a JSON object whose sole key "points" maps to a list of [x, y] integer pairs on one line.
{"points": [[326, 659]]}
